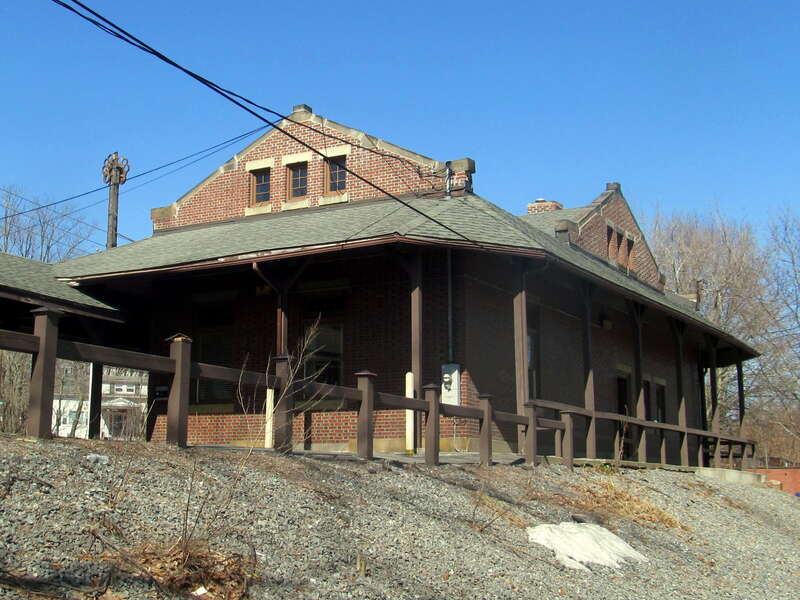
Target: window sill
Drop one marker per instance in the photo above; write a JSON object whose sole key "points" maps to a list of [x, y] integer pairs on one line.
{"points": [[334, 198], [295, 203], [258, 209]]}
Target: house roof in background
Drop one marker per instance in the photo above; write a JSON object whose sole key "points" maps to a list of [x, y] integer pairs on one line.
{"points": [[32, 278]]}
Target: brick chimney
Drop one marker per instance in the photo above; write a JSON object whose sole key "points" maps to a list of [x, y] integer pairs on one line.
{"points": [[460, 179], [541, 205]]}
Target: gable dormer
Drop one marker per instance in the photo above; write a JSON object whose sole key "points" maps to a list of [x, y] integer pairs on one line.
{"points": [[605, 228], [276, 173]]}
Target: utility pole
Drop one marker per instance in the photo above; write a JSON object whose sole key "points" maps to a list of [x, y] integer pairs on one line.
{"points": [[115, 173]]}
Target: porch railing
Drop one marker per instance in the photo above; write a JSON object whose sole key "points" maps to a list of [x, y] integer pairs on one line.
{"points": [[45, 346], [639, 426]]}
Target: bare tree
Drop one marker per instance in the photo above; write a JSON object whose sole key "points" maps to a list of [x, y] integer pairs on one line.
{"points": [[751, 289], [48, 235]]}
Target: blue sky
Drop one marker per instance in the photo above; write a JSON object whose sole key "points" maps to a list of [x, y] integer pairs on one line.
{"points": [[689, 105]]}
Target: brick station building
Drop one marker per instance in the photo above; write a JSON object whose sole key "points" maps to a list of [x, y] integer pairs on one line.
{"points": [[561, 304]]}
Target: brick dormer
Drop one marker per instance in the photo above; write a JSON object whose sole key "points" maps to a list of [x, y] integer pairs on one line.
{"points": [[276, 173]]}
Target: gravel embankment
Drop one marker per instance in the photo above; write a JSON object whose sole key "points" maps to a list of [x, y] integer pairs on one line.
{"points": [[449, 532]]}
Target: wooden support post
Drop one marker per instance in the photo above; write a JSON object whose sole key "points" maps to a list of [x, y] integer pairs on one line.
{"points": [[678, 332], [701, 451], [712, 370], [180, 350], [662, 446], [640, 434], [281, 281], [282, 323], [416, 340], [432, 425], [558, 439], [284, 406], [95, 399], [568, 451], [730, 454], [588, 371], [618, 441], [521, 366], [366, 414], [740, 390], [486, 429], [39, 421], [531, 438]]}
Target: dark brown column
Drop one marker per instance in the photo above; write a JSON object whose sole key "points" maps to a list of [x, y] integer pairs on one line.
{"points": [[432, 425], [588, 371], [95, 400], [568, 444], [364, 440], [180, 351], [39, 422], [521, 366], [486, 430], [282, 323], [531, 441], [637, 312], [284, 406], [740, 390], [714, 385], [678, 333]]}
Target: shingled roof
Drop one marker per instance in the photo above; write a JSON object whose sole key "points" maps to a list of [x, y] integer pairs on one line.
{"points": [[36, 280], [476, 219]]}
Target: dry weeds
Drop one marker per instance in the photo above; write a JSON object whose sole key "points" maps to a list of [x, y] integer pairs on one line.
{"points": [[609, 499]]}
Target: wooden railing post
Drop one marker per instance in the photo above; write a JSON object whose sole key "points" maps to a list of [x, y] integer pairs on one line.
{"points": [[39, 421], [568, 444], [284, 406], [700, 451], [180, 350], [95, 399], [663, 445], [364, 440], [432, 425], [531, 442], [486, 429]]}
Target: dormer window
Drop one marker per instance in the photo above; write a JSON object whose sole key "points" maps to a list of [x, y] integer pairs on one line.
{"points": [[261, 184], [298, 180], [336, 176]]}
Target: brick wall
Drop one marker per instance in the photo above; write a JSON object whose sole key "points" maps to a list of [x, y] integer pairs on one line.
{"points": [[226, 193], [593, 238]]}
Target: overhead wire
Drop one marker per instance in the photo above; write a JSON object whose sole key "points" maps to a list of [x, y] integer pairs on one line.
{"points": [[215, 148], [118, 32]]}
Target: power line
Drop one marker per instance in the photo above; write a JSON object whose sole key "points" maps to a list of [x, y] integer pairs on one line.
{"points": [[65, 215], [118, 32], [216, 148]]}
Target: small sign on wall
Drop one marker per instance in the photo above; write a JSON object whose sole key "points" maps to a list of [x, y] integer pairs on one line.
{"points": [[451, 384]]}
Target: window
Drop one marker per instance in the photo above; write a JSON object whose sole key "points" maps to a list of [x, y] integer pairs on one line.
{"points": [[326, 354], [630, 264], [260, 186], [623, 400], [336, 180], [298, 180], [661, 403], [611, 239]]}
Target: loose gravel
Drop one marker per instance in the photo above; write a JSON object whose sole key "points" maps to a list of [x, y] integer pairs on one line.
{"points": [[455, 531]]}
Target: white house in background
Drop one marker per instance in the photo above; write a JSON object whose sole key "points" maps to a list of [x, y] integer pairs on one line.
{"points": [[123, 410]]}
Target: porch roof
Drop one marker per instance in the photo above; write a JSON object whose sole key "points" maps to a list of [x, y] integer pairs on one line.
{"points": [[478, 220], [22, 279]]}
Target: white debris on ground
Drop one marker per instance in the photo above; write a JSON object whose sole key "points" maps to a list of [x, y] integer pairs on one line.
{"points": [[577, 544], [97, 459]]}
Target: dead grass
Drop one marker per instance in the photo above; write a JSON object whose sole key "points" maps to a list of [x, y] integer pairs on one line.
{"points": [[497, 509], [183, 569], [609, 499]]}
